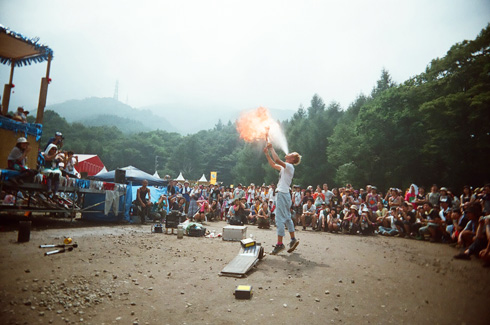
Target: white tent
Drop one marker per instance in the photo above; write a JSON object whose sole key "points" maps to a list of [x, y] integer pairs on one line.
{"points": [[156, 174], [202, 179], [180, 178]]}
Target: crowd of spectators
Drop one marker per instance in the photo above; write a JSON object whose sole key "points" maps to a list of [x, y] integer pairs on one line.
{"points": [[437, 216]]}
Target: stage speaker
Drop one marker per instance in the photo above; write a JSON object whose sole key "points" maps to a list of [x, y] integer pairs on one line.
{"points": [[120, 176]]}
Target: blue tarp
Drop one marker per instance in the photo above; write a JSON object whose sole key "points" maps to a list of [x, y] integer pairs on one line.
{"points": [[133, 175]]}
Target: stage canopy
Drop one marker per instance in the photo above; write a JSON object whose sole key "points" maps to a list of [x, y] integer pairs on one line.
{"points": [[134, 175]]}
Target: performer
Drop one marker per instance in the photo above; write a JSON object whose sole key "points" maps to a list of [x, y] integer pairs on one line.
{"points": [[283, 199]]}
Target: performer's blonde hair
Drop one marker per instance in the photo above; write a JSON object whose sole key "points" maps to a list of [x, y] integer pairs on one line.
{"points": [[297, 158]]}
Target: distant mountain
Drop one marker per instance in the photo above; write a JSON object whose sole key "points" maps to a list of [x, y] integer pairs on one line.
{"points": [[191, 120], [108, 111]]}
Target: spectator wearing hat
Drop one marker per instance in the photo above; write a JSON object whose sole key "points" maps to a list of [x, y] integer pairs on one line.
{"points": [[20, 115], [17, 159], [445, 194], [56, 140], [238, 193], [350, 221], [186, 193]]}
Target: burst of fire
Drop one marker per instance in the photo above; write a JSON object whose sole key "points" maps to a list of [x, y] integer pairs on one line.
{"points": [[254, 125], [258, 125]]}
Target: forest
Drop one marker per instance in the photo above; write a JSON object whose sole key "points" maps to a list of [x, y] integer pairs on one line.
{"points": [[432, 128]]}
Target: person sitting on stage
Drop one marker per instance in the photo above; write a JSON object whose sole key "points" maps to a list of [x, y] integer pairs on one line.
{"points": [[70, 163], [51, 168], [17, 161]]}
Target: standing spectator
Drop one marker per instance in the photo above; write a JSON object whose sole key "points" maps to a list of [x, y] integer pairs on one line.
{"points": [[56, 140], [194, 196], [395, 199], [319, 197], [467, 197], [328, 194], [186, 193], [411, 195], [251, 194], [297, 198], [433, 196], [336, 199], [143, 202], [372, 199], [421, 197], [238, 193]]}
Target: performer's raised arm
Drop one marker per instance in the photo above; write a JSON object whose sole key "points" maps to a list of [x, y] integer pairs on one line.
{"points": [[269, 159]]}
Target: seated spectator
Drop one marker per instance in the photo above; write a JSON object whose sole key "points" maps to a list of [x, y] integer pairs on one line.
{"points": [[405, 220], [485, 252], [51, 168], [162, 208], [309, 214], [433, 224], [366, 226], [17, 159], [319, 197], [381, 213], [203, 208], [467, 235], [20, 115], [322, 217], [457, 225], [388, 227], [480, 241], [263, 216], [350, 222], [333, 221], [70, 163], [214, 211]]}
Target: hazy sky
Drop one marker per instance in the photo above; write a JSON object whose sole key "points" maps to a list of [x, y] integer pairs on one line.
{"points": [[234, 55]]}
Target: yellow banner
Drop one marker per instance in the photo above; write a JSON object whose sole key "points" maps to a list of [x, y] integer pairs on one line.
{"points": [[213, 178]]}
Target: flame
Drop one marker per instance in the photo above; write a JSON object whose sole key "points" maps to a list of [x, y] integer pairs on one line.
{"points": [[259, 125], [254, 125]]}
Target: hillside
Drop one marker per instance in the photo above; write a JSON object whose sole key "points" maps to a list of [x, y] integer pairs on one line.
{"points": [[107, 111]]}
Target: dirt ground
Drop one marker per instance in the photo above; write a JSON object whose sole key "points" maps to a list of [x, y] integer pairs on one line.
{"points": [[124, 274]]}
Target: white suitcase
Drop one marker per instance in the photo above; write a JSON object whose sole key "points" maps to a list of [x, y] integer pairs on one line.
{"points": [[234, 233]]}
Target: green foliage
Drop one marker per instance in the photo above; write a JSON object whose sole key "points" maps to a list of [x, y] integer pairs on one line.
{"points": [[433, 128]]}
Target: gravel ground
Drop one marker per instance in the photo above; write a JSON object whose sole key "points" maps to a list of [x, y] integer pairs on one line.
{"points": [[124, 274]]}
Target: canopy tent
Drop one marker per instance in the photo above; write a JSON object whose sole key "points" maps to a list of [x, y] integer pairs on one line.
{"points": [[134, 175], [156, 174], [180, 178], [90, 164], [17, 50], [202, 179]]}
